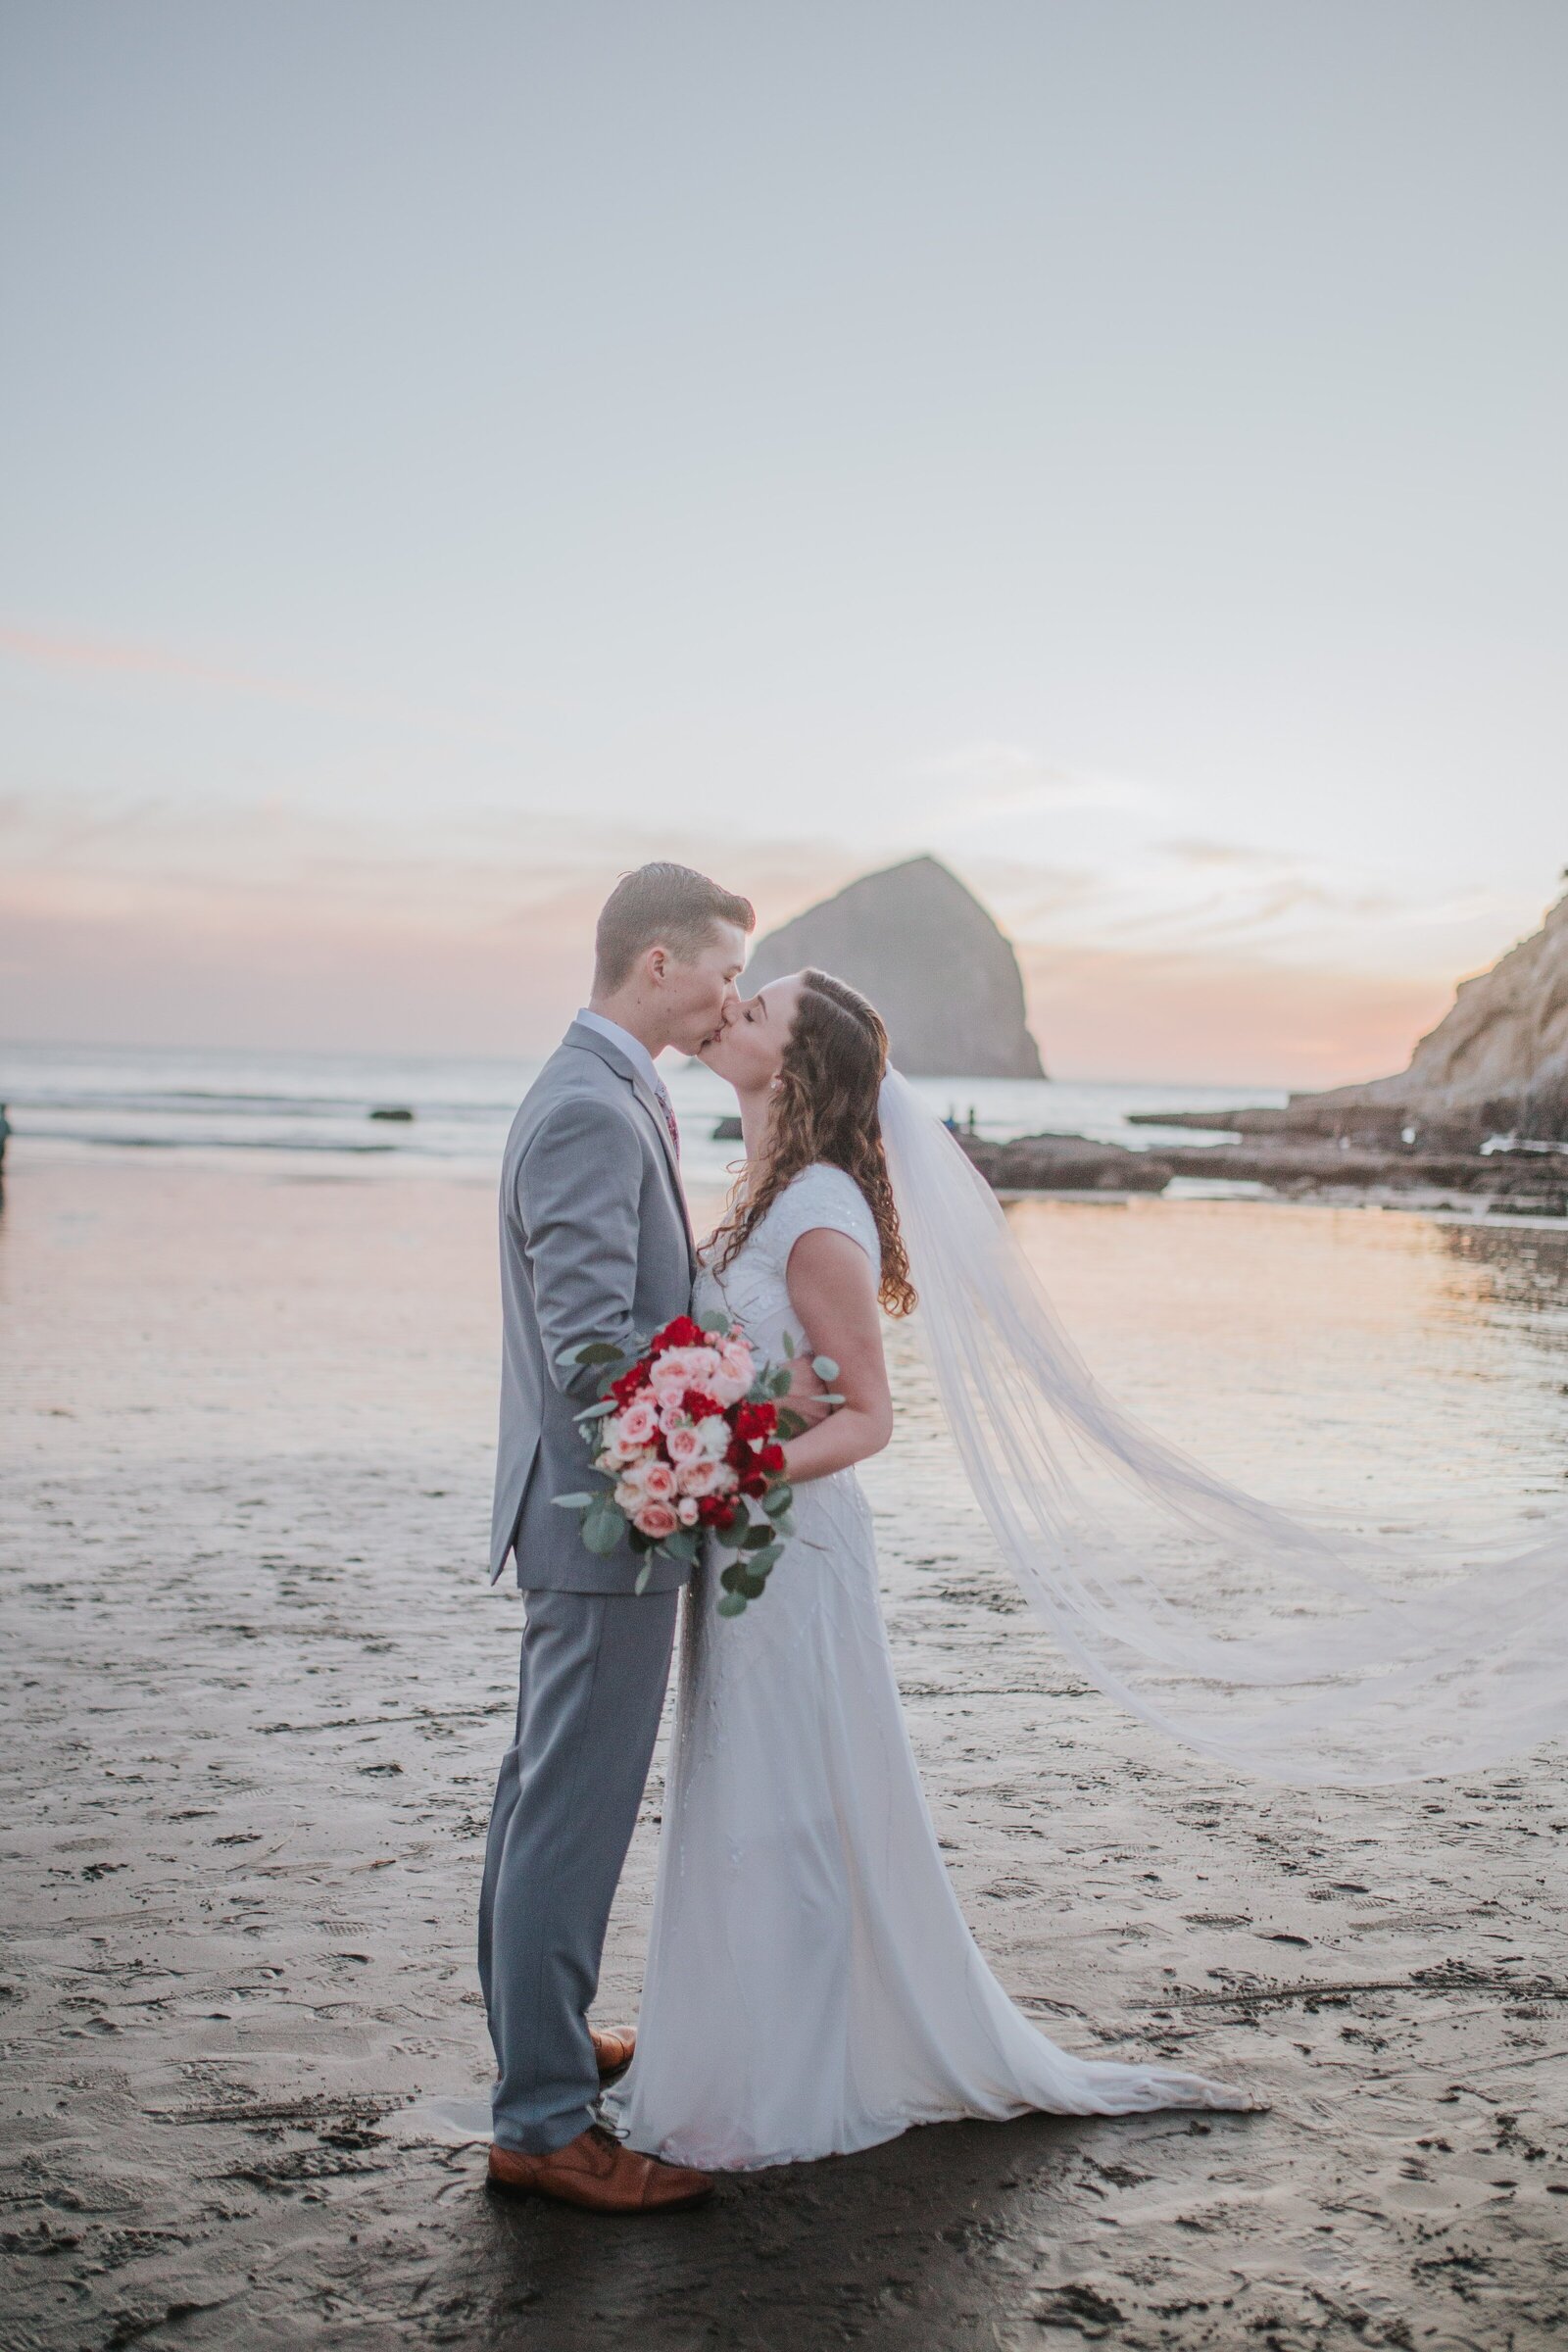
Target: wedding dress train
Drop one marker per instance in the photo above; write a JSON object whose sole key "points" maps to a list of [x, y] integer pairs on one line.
{"points": [[812, 1986]]}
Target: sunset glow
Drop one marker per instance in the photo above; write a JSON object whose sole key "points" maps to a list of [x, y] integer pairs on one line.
{"points": [[1116, 456]]}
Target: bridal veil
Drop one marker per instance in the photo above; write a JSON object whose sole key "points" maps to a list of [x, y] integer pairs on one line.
{"points": [[1305, 1649]]}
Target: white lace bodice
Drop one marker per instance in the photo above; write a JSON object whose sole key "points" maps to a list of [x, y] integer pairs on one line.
{"points": [[752, 1290]]}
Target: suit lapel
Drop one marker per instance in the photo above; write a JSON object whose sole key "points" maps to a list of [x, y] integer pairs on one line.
{"points": [[612, 1057]]}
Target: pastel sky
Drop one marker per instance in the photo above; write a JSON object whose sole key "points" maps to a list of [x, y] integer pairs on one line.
{"points": [[455, 451]]}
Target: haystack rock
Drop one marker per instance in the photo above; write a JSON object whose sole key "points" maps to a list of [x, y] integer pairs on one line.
{"points": [[932, 961], [1506, 1039]]}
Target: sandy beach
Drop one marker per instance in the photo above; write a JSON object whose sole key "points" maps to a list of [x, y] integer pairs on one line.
{"points": [[257, 1689]]}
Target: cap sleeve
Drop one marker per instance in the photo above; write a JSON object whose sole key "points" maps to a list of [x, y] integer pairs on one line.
{"points": [[822, 1198]]}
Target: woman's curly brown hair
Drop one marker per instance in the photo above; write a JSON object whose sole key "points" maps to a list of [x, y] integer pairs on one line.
{"points": [[826, 1108]]}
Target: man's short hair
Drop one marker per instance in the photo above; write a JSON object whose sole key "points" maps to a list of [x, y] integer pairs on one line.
{"points": [[666, 905]]}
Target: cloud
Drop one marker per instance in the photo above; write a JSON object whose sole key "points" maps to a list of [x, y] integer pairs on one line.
{"points": [[146, 918], [103, 656], [997, 777], [110, 659], [1217, 853], [153, 920]]}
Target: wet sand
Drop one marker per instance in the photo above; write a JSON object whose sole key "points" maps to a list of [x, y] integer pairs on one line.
{"points": [[257, 1689]]}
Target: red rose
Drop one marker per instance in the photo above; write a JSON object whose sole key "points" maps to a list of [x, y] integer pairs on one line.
{"points": [[738, 1455], [716, 1510], [682, 1333], [628, 1384], [770, 1459], [754, 1482], [756, 1420], [697, 1406]]}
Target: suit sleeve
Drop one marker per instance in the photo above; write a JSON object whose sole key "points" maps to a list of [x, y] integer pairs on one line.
{"points": [[578, 1190]]}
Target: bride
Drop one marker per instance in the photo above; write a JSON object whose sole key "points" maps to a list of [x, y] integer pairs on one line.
{"points": [[812, 1986]]}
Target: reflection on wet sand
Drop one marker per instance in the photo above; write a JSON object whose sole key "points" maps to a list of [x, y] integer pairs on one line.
{"points": [[256, 1691]]}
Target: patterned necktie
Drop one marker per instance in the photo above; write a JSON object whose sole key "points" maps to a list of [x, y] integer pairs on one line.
{"points": [[668, 1110]]}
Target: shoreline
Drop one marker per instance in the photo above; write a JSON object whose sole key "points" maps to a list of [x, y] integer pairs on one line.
{"points": [[284, 1170]]}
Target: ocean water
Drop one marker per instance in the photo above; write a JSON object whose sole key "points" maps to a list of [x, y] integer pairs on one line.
{"points": [[215, 1103]]}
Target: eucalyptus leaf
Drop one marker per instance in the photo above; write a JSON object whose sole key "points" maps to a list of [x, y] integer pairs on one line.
{"points": [[753, 1586], [824, 1367], [779, 1384], [602, 1531], [789, 1423], [788, 1344], [596, 1351], [596, 1412], [732, 1605], [776, 1502], [574, 1502], [761, 1561], [783, 1527], [756, 1537], [713, 1321], [643, 1574], [731, 1576]]}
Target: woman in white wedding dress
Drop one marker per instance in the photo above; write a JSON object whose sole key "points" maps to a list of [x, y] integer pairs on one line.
{"points": [[812, 1986]]}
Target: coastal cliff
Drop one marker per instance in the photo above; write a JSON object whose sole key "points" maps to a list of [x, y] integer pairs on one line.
{"points": [[931, 959], [1503, 1043], [1479, 1108]]}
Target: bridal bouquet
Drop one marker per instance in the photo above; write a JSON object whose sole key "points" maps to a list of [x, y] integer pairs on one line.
{"points": [[686, 1438]]}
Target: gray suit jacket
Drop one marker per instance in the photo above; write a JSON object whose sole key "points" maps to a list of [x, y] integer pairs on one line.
{"points": [[596, 1244]]}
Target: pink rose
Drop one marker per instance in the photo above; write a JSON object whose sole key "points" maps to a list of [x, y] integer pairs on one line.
{"points": [[658, 1482], [686, 1511], [736, 1369], [636, 1426], [685, 1444], [658, 1520], [705, 1476], [681, 1368]]}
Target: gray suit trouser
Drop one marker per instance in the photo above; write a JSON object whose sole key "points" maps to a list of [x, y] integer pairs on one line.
{"points": [[589, 1696]]}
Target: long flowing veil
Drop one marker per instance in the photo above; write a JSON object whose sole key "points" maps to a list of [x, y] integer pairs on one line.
{"points": [[1306, 1652]]}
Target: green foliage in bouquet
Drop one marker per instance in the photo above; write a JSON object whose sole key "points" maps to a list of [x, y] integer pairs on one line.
{"points": [[752, 1517]]}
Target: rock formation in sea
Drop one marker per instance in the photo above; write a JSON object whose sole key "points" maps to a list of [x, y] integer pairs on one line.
{"points": [[932, 961]]}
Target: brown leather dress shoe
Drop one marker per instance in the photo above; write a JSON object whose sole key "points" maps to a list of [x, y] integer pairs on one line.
{"points": [[595, 2171], [612, 2052]]}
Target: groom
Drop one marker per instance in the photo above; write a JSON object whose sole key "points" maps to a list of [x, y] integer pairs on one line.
{"points": [[595, 1245]]}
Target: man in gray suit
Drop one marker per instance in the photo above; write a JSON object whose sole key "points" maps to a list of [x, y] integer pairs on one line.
{"points": [[595, 1245]]}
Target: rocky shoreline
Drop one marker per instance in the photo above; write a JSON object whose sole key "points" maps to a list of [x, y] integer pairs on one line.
{"points": [[1279, 1149], [1525, 1181]]}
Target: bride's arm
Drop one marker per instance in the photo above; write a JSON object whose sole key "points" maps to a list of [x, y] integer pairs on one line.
{"points": [[833, 1291]]}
